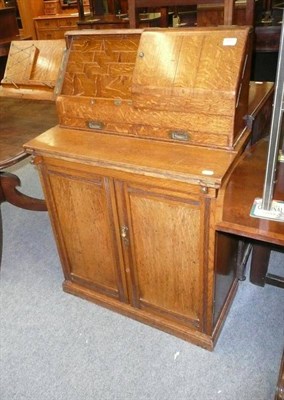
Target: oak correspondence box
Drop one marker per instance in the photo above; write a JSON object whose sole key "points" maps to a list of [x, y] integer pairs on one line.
{"points": [[181, 85]]}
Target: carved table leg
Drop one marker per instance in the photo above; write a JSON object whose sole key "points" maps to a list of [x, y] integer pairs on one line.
{"points": [[9, 193], [8, 183]]}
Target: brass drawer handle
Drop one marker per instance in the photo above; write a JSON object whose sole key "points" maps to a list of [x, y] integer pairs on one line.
{"points": [[181, 136], [95, 125]]}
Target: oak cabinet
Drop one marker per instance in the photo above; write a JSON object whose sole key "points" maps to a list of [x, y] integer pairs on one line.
{"points": [[132, 177], [137, 247]]}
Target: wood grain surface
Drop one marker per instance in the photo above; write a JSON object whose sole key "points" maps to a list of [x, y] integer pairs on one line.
{"points": [[32, 69], [127, 85]]}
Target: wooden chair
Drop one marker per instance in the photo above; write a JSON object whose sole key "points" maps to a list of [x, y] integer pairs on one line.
{"points": [[229, 5]]}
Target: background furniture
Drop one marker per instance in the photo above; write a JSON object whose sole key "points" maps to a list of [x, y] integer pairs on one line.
{"points": [[53, 27], [245, 185], [29, 9], [9, 31], [248, 178], [32, 117], [26, 109], [259, 175], [228, 10]]}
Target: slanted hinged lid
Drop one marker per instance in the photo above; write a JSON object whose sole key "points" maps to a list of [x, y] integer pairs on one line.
{"points": [[200, 70], [32, 69]]}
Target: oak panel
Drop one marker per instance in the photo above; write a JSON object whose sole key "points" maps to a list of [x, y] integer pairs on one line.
{"points": [[165, 239], [87, 230]]}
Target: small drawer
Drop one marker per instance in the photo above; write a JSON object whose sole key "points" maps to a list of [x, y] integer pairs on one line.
{"points": [[47, 23], [67, 22], [50, 35]]}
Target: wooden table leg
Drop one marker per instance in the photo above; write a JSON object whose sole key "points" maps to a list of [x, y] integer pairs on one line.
{"points": [[9, 193], [259, 263]]}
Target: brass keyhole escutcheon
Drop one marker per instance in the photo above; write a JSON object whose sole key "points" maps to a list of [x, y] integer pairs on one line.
{"points": [[124, 234]]}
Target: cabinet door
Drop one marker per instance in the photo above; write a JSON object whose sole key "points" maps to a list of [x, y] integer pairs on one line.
{"points": [[82, 209], [165, 253]]}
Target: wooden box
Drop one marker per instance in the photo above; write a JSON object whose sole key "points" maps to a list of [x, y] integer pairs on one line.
{"points": [[179, 85]]}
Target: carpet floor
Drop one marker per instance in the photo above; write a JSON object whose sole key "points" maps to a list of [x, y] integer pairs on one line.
{"points": [[55, 346]]}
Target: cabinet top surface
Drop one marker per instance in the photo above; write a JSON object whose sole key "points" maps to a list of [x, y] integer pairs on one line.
{"points": [[191, 164]]}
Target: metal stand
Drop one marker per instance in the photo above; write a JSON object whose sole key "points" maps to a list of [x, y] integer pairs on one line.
{"points": [[266, 207]]}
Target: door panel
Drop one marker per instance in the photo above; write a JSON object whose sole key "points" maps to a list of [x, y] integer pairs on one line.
{"points": [[166, 246], [86, 224]]}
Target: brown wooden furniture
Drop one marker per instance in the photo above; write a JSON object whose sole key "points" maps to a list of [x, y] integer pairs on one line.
{"points": [[243, 13], [109, 21], [32, 117], [54, 26], [26, 109], [228, 10], [29, 9], [133, 208], [246, 184], [144, 265], [141, 90], [267, 38], [8, 29], [8, 32], [213, 14], [259, 117], [32, 69]]}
